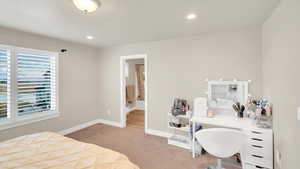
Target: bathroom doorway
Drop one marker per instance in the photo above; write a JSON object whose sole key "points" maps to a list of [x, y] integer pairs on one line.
{"points": [[134, 91]]}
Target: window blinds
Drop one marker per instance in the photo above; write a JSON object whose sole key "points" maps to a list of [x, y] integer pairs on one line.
{"points": [[36, 83], [4, 83]]}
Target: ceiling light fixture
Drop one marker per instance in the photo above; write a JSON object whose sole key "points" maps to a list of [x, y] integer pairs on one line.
{"points": [[191, 16], [87, 5], [89, 37]]}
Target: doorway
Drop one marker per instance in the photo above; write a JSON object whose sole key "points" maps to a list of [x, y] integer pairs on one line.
{"points": [[134, 91]]}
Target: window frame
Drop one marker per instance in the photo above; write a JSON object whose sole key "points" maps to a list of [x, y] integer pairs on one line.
{"points": [[15, 120]]}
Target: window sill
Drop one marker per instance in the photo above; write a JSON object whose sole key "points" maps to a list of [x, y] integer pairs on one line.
{"points": [[20, 121]]}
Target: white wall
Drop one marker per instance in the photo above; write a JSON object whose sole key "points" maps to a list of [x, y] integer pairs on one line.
{"points": [[281, 80], [77, 82], [179, 67]]}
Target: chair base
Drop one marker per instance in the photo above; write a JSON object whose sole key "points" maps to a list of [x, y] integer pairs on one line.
{"points": [[214, 167], [219, 165]]}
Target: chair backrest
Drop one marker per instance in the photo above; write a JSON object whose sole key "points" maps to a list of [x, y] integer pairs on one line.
{"points": [[221, 142], [200, 106]]}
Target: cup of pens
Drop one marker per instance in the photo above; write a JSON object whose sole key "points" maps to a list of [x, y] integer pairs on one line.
{"points": [[239, 109]]}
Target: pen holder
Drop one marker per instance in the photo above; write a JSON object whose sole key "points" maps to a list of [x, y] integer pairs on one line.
{"points": [[239, 109], [241, 114]]}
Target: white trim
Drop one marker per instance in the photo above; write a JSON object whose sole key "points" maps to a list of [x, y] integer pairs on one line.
{"points": [[110, 123], [122, 88], [158, 133], [20, 121], [139, 105], [88, 124], [179, 144], [78, 127], [35, 51], [122, 91]]}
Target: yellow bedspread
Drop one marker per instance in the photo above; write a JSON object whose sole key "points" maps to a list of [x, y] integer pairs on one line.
{"points": [[53, 151]]}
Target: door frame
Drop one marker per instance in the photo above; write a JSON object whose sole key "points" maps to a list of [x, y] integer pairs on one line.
{"points": [[123, 60]]}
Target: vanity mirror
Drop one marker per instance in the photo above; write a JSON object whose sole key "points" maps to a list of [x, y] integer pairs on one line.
{"points": [[223, 94]]}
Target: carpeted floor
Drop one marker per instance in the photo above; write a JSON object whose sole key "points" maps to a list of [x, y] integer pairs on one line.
{"points": [[147, 151]]}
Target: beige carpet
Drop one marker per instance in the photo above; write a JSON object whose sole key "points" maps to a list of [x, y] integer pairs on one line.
{"points": [[147, 151], [136, 118]]}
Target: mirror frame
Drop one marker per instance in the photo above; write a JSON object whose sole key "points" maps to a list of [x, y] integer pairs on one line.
{"points": [[221, 82]]}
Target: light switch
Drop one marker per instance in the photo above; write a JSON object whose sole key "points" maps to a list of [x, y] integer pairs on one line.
{"points": [[298, 113]]}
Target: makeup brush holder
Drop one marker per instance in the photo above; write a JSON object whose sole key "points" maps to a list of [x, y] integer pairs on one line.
{"points": [[240, 114]]}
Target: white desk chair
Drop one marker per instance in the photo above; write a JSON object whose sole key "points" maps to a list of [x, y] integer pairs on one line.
{"points": [[221, 142]]}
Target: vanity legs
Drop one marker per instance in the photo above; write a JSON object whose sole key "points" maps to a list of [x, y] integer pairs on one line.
{"points": [[193, 139]]}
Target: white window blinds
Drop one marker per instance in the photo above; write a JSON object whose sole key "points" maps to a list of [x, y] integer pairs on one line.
{"points": [[28, 86], [4, 83], [36, 83]]}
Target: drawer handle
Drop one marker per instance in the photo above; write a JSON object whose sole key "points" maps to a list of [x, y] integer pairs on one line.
{"points": [[257, 139], [256, 132], [257, 146], [257, 156], [258, 166]]}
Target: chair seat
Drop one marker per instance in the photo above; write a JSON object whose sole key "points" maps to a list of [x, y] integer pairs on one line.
{"points": [[221, 142]]}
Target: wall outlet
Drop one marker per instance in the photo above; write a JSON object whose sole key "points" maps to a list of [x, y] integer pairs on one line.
{"points": [[298, 113], [278, 157], [108, 112]]}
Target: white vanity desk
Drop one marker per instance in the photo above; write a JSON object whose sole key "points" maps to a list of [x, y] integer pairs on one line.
{"points": [[259, 144]]}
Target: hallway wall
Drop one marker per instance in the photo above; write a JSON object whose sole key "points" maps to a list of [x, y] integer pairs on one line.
{"points": [[281, 80]]}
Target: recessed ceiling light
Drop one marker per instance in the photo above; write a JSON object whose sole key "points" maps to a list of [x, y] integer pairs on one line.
{"points": [[87, 5], [89, 37], [191, 16]]}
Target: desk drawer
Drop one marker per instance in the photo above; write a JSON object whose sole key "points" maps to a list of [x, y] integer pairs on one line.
{"points": [[259, 160], [260, 148], [265, 152], [249, 166], [258, 142], [260, 134], [260, 138]]}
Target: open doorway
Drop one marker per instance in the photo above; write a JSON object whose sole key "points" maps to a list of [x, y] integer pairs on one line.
{"points": [[134, 91]]}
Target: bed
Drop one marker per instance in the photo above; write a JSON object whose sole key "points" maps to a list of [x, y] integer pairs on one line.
{"points": [[53, 151]]}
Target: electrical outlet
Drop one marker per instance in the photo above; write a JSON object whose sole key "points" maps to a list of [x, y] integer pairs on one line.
{"points": [[108, 112], [298, 113]]}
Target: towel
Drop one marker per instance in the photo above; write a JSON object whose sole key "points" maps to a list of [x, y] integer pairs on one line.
{"points": [[130, 94]]}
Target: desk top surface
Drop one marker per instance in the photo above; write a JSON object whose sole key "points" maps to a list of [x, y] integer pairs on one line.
{"points": [[228, 122]]}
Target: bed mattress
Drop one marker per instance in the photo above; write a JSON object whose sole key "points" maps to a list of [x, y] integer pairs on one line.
{"points": [[53, 151]]}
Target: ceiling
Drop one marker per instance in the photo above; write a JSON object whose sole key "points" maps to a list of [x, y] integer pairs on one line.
{"points": [[129, 21]]}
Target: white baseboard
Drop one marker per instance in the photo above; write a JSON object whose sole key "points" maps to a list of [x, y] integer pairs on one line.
{"points": [[139, 105], [129, 109], [179, 144], [158, 133], [78, 127], [88, 124], [110, 123]]}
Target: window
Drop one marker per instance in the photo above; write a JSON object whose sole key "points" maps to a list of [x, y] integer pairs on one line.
{"points": [[4, 83], [28, 86]]}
